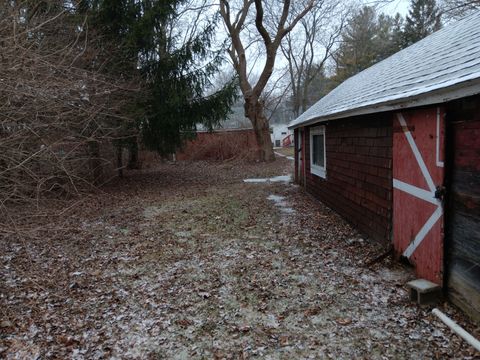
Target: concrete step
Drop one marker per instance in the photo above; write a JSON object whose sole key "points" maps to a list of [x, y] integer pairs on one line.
{"points": [[424, 292]]}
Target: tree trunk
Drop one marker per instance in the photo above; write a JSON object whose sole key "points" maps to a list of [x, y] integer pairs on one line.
{"points": [[254, 111], [95, 162], [119, 150], [133, 153]]}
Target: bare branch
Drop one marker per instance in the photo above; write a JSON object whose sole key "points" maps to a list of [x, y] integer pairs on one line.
{"points": [[59, 112], [259, 23]]}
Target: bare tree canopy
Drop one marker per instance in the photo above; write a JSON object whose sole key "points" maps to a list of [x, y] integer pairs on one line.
{"points": [[308, 47], [269, 21], [458, 8]]}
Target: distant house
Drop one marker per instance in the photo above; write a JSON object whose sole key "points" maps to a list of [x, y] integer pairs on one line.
{"points": [[280, 134], [396, 150]]}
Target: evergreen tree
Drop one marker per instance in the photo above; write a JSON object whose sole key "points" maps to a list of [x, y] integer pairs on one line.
{"points": [[366, 40], [396, 42], [423, 18], [389, 36], [357, 50], [176, 73]]}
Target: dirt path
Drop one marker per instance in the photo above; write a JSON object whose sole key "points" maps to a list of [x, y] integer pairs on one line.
{"points": [[188, 261]]}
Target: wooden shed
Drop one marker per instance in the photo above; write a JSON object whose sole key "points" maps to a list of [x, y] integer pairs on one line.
{"points": [[395, 150]]}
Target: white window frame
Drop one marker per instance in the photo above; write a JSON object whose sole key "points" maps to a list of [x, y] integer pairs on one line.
{"points": [[316, 169]]}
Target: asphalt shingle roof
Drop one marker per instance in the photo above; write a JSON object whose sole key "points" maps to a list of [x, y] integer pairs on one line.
{"points": [[448, 58]]}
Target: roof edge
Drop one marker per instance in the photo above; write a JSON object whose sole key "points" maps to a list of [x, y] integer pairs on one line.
{"points": [[443, 95]]}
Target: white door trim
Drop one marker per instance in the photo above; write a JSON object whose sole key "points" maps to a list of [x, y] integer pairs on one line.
{"points": [[416, 191], [437, 214], [439, 163]]}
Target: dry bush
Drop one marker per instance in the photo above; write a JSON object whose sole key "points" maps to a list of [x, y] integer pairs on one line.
{"points": [[58, 113], [221, 146]]}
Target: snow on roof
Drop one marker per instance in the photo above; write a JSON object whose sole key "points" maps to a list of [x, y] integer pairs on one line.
{"points": [[425, 73]]}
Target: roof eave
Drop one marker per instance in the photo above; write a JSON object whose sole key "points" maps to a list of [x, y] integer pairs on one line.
{"points": [[457, 91]]}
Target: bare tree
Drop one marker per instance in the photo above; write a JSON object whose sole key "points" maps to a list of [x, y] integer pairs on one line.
{"points": [[275, 96], [308, 47], [271, 27], [458, 8], [450, 9]]}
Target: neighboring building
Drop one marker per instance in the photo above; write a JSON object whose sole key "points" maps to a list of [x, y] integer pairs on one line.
{"points": [[396, 150], [279, 134]]}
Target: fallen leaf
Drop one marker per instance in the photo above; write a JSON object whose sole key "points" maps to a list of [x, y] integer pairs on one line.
{"points": [[344, 321]]}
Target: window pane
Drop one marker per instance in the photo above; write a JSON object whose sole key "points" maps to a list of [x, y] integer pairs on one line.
{"points": [[321, 155], [318, 150]]}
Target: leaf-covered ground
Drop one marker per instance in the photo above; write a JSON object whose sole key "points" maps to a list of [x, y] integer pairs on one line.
{"points": [[188, 261]]}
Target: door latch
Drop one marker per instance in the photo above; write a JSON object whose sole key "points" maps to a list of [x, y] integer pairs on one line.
{"points": [[440, 192]]}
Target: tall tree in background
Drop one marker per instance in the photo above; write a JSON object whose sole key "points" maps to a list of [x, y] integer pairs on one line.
{"points": [[423, 19], [389, 35], [308, 48], [357, 50], [366, 40], [320, 86], [271, 26]]}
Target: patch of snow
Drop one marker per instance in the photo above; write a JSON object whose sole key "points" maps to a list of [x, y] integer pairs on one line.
{"points": [[185, 234], [287, 210], [277, 199], [285, 156], [255, 180], [282, 178], [275, 179], [271, 322], [281, 203]]}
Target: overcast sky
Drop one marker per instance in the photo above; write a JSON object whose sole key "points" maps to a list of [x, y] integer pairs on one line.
{"points": [[400, 6]]}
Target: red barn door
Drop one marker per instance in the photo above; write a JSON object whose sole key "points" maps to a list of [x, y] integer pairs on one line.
{"points": [[418, 174]]}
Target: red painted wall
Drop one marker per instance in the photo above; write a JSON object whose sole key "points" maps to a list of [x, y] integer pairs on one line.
{"points": [[359, 172]]}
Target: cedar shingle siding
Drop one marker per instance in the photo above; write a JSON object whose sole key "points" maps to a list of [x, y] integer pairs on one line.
{"points": [[359, 172]]}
